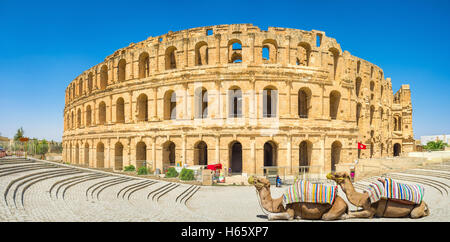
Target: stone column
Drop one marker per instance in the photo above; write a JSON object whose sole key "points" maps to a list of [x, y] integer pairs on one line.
{"points": [[217, 149], [253, 154], [186, 47], [110, 121], [183, 149], [217, 48], [155, 104], [289, 152], [130, 93], [156, 46], [219, 109], [288, 50], [185, 102], [322, 151], [252, 48]]}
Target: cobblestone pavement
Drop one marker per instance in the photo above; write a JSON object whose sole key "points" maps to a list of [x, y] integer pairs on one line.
{"points": [[36, 190]]}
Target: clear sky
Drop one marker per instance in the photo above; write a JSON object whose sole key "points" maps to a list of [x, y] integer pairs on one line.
{"points": [[46, 44]]}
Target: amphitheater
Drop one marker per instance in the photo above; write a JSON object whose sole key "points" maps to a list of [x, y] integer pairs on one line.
{"points": [[237, 95]]}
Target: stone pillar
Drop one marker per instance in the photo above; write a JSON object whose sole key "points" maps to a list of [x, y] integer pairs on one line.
{"points": [[252, 48], [155, 104], [156, 46], [217, 149], [217, 48], [253, 154], [154, 154], [289, 153], [186, 46], [288, 50], [185, 102], [322, 151], [110, 121], [130, 93]]}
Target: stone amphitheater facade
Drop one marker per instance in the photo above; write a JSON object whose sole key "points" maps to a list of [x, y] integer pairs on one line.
{"points": [[235, 95]]}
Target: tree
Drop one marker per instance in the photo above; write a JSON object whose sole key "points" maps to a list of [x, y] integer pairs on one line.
{"points": [[42, 147], [19, 134], [435, 145]]}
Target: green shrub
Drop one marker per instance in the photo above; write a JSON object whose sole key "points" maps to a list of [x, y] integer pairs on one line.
{"points": [[142, 170], [171, 172], [129, 168], [187, 175]]}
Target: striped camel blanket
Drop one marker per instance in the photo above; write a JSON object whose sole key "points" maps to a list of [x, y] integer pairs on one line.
{"points": [[395, 190], [305, 191]]}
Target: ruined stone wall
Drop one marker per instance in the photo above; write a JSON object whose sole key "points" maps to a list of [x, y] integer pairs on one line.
{"points": [[122, 110]]}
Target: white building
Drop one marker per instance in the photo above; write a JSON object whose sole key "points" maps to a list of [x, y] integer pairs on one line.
{"points": [[444, 137]]}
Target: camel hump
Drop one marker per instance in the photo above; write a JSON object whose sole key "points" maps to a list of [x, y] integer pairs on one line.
{"points": [[395, 191]]}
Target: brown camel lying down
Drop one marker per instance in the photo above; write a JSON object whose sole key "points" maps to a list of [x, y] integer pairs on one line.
{"points": [[389, 208], [296, 210]]}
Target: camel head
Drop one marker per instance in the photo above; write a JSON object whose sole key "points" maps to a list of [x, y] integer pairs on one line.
{"points": [[259, 182], [338, 177]]}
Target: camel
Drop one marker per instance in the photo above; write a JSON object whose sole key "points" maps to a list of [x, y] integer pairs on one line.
{"points": [[312, 211], [388, 208]]}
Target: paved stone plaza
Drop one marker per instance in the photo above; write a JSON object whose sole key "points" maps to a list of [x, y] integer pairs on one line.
{"points": [[35, 190]]}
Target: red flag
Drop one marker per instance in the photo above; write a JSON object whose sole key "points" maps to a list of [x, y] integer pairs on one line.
{"points": [[361, 146]]}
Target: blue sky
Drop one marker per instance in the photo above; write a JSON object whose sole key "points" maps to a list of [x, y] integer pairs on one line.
{"points": [[46, 44]]}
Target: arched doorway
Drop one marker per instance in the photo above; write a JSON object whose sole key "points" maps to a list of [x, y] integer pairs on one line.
{"points": [[169, 153], [118, 156], [305, 149], [336, 148], [141, 154], [397, 149], [236, 157], [201, 153], [270, 154], [100, 155]]}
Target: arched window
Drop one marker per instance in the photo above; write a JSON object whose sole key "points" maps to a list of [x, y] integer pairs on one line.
{"points": [[103, 77], [144, 65], [170, 105], [234, 51], [79, 118], [201, 102], [303, 54], [336, 148], [88, 115], [201, 53], [269, 51], [201, 153], [100, 155], [335, 98], [372, 111], [120, 111], [335, 56], [304, 97], [141, 154], [270, 99], [170, 57], [80, 88], [121, 70], [358, 112], [358, 66], [90, 81], [102, 113], [142, 108], [235, 102], [358, 86], [118, 156]]}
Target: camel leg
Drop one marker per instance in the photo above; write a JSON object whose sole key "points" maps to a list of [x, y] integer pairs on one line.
{"points": [[420, 211], [336, 211], [360, 214], [280, 216]]}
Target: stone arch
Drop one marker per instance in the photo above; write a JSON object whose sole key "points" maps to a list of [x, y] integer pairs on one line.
{"points": [[142, 107], [358, 86], [272, 48], [170, 105], [336, 148], [86, 154], [121, 70], [303, 54], [201, 102], [90, 82], [170, 58], [88, 115], [270, 102], [200, 153], [103, 77], [335, 98], [234, 102], [235, 156], [305, 151], [270, 153], [79, 118], [201, 53], [118, 156], [102, 112], [144, 65], [169, 153], [80, 87], [141, 154], [100, 155], [304, 100], [120, 110], [235, 51], [335, 56]]}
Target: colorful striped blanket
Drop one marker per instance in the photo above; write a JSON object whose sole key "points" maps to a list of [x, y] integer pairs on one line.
{"points": [[395, 190], [305, 191]]}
